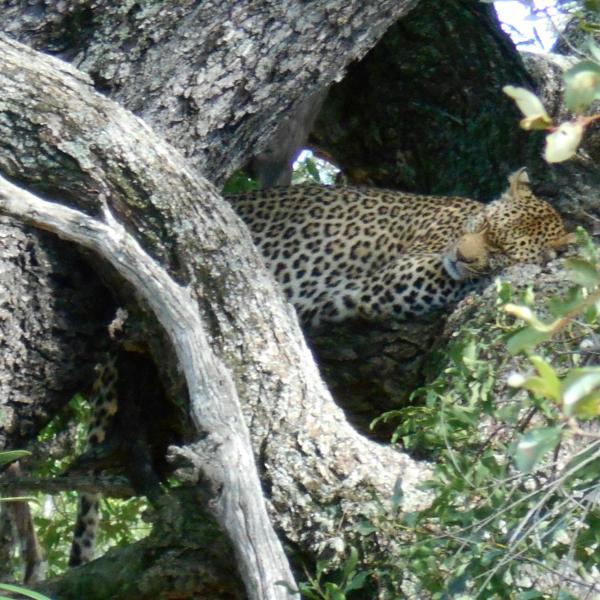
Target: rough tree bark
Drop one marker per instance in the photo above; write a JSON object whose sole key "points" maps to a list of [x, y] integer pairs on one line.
{"points": [[290, 416], [223, 453], [432, 117], [214, 78], [140, 44], [77, 145]]}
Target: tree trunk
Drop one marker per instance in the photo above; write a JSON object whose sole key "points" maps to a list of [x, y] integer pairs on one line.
{"points": [[214, 78], [424, 110], [216, 83], [79, 147]]}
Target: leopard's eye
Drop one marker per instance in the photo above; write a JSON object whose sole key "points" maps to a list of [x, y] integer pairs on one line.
{"points": [[465, 259]]}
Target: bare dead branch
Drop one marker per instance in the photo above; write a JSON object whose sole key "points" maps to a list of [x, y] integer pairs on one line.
{"points": [[116, 487], [20, 514], [227, 452]]}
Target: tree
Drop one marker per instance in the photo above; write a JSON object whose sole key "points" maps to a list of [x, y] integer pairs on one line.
{"points": [[65, 111], [215, 80]]}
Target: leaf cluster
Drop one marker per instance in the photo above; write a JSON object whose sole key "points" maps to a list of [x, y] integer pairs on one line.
{"points": [[517, 458], [581, 90]]}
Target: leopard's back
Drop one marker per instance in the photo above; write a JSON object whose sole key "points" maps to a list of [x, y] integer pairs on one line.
{"points": [[315, 239]]}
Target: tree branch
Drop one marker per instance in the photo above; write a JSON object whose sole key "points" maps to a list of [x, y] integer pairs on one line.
{"points": [[227, 452], [322, 478], [190, 91], [116, 487]]}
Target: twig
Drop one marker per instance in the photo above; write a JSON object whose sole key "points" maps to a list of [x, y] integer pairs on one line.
{"points": [[117, 487]]}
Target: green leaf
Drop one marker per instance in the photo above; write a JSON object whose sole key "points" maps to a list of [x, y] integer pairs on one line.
{"points": [[525, 339], [548, 377], [469, 353], [538, 386], [491, 556], [504, 291], [320, 567], [397, 495], [588, 407], [333, 591], [590, 314], [582, 85], [593, 48], [562, 595], [7, 587], [587, 244], [580, 393], [12, 455], [559, 307], [529, 595], [582, 272], [307, 592], [357, 582], [312, 170], [458, 585], [411, 519], [350, 564], [238, 183], [534, 445], [365, 528]]}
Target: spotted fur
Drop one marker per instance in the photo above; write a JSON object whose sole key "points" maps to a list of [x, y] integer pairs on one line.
{"points": [[346, 252], [104, 406]]}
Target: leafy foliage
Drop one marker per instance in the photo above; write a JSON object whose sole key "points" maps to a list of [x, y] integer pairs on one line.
{"points": [[238, 183], [310, 169], [20, 591], [582, 88], [7, 457], [54, 516], [514, 511], [334, 586]]}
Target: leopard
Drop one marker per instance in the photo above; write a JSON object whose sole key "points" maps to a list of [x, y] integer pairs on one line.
{"points": [[104, 405], [347, 252]]}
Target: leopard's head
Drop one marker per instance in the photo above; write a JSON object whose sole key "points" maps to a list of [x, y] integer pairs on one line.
{"points": [[517, 228]]}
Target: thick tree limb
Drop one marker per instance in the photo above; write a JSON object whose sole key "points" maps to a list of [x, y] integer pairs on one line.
{"points": [[74, 144], [228, 456], [185, 556], [215, 78]]}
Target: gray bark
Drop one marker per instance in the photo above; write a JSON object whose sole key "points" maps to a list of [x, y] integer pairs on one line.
{"points": [[22, 519], [212, 77], [76, 145], [274, 165], [224, 453], [49, 295], [424, 111], [134, 52]]}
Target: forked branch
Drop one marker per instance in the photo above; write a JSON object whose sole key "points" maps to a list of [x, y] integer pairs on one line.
{"points": [[225, 451]]}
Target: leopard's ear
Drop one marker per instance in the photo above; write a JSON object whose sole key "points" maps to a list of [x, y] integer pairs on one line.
{"points": [[519, 182]]}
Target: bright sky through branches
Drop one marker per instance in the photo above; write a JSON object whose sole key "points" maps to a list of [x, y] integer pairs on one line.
{"points": [[529, 24]]}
